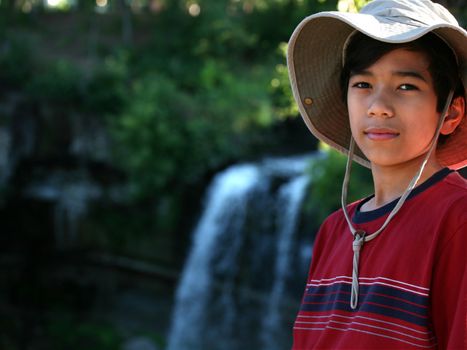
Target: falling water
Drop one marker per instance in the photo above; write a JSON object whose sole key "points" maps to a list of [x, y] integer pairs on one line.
{"points": [[71, 193], [232, 289], [225, 208], [290, 199]]}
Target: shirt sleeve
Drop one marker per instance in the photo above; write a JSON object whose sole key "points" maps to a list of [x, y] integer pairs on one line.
{"points": [[449, 293]]}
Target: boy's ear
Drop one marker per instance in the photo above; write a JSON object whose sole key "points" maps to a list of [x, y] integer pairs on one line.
{"points": [[456, 112]]}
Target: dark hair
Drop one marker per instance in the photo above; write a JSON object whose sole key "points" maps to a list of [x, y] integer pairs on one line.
{"points": [[363, 51]]}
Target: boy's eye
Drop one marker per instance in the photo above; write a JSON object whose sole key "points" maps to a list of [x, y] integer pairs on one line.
{"points": [[361, 85], [408, 87]]}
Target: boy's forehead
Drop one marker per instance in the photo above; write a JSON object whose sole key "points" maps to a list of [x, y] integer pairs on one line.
{"points": [[401, 62]]}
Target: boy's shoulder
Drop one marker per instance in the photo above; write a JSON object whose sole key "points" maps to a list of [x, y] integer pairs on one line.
{"points": [[455, 179], [453, 195], [453, 188], [444, 202]]}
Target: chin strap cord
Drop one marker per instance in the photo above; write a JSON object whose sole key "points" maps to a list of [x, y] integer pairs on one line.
{"points": [[361, 237]]}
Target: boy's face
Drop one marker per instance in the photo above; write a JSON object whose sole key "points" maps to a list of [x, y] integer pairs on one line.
{"points": [[392, 108]]}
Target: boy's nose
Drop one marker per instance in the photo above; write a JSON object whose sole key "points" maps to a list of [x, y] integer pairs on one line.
{"points": [[380, 105]]}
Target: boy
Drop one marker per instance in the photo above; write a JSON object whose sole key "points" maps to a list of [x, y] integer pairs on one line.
{"points": [[389, 271]]}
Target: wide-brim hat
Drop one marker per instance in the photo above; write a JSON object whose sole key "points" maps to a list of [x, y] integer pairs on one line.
{"points": [[315, 60]]}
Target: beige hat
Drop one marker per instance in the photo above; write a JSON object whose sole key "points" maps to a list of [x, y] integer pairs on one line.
{"points": [[315, 62]]}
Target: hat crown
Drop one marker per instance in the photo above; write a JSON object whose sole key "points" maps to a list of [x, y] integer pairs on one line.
{"points": [[415, 12]]}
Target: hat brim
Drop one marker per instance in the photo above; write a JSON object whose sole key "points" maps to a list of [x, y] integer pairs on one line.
{"points": [[314, 60]]}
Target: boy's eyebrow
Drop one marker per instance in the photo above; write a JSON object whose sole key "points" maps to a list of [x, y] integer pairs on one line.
{"points": [[412, 74], [360, 72], [408, 73]]}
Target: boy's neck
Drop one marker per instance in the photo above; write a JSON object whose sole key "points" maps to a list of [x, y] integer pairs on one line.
{"points": [[391, 182]]}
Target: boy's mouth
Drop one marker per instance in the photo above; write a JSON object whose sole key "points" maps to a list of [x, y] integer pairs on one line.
{"points": [[380, 134]]}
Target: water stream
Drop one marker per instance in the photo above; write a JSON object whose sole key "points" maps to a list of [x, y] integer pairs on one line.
{"points": [[234, 288], [290, 198]]}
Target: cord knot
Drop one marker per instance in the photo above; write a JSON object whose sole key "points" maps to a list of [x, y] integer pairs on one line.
{"points": [[359, 239]]}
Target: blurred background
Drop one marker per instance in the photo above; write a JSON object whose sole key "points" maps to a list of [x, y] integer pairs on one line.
{"points": [[158, 189]]}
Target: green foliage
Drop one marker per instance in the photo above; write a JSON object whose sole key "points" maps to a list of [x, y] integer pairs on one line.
{"points": [[326, 175], [106, 89], [281, 92], [196, 95], [274, 21], [197, 101], [68, 333], [155, 133], [16, 62], [168, 136], [60, 330], [58, 82], [351, 5]]}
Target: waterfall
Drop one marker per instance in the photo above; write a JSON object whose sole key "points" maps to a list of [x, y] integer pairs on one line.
{"points": [[71, 193], [226, 206], [290, 199], [232, 289]]}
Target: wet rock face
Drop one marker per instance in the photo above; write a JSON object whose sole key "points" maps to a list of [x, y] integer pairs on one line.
{"points": [[53, 168], [139, 343], [56, 161]]}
